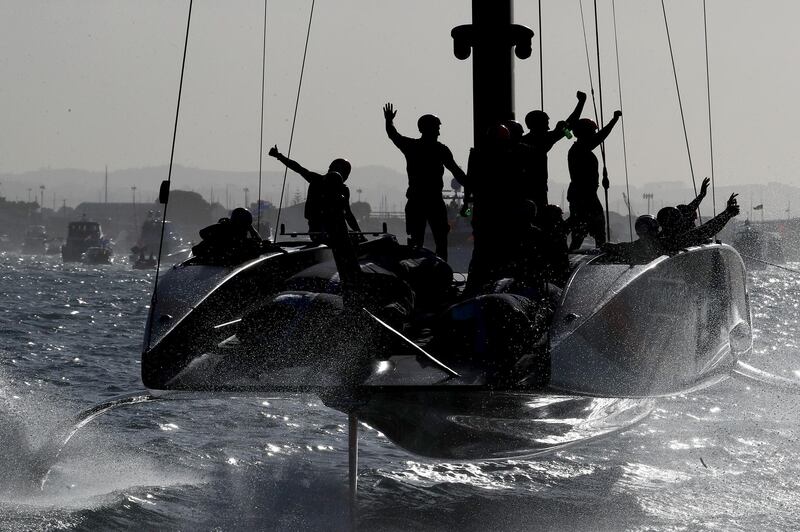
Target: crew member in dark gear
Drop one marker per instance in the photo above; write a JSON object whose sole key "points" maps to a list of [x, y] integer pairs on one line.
{"points": [[645, 249], [426, 159], [498, 220], [541, 140], [689, 212], [314, 211], [231, 240], [555, 251], [334, 209], [586, 211], [673, 235]]}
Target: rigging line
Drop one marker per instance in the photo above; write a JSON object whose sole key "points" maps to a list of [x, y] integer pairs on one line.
{"points": [[294, 118], [762, 261], [541, 64], [588, 61], [171, 159], [680, 104], [710, 129], [602, 144], [621, 108], [261, 139], [599, 77]]}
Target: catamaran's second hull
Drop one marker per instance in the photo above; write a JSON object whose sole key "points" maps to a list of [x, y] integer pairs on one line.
{"points": [[661, 328]]}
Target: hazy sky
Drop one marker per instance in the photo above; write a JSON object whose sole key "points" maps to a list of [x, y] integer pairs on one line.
{"points": [[94, 82]]}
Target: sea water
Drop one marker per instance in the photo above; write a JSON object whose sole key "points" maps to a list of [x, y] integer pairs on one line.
{"points": [[723, 458]]}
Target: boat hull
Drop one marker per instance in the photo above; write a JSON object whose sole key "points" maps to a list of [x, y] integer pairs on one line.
{"points": [[196, 306], [662, 328], [655, 329], [621, 335]]}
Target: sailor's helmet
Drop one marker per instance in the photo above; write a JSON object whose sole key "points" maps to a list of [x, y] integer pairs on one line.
{"points": [[646, 225], [669, 218], [428, 122], [341, 167], [241, 217], [536, 119], [584, 126], [515, 128]]}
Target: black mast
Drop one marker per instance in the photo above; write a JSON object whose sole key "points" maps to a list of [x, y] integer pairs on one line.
{"points": [[489, 39]]}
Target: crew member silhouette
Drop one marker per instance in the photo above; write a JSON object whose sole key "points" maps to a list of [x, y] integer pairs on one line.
{"points": [[328, 214], [315, 204], [498, 220], [555, 251], [689, 212], [426, 159], [674, 235], [541, 140], [645, 249], [586, 211], [230, 241]]}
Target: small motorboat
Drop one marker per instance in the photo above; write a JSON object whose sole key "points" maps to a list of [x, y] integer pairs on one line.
{"points": [[5, 243], [81, 236], [35, 242], [144, 255], [142, 262], [98, 255]]}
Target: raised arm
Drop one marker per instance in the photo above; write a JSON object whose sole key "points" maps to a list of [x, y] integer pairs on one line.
{"points": [[601, 135], [576, 113], [294, 166], [710, 228], [399, 140], [695, 203]]}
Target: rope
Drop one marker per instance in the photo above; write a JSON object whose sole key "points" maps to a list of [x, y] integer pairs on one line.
{"points": [[680, 104], [710, 130], [599, 79], [261, 130], [588, 61], [171, 159], [602, 121], [541, 63], [621, 108], [294, 118], [762, 261], [594, 102]]}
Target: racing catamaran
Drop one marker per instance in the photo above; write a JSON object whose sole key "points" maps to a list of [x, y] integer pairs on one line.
{"points": [[442, 375]]}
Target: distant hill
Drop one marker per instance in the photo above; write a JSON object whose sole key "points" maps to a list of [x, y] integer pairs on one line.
{"points": [[225, 187], [383, 188]]}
